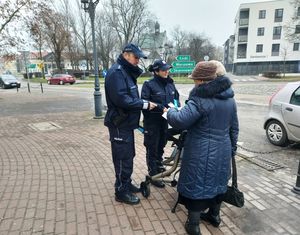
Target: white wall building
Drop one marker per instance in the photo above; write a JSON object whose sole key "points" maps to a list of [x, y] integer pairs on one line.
{"points": [[260, 38]]}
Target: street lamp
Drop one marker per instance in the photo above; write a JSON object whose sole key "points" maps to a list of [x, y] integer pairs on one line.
{"points": [[90, 6]]}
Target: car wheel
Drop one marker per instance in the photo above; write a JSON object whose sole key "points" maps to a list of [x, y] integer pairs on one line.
{"points": [[71, 83], [61, 82], [276, 133]]}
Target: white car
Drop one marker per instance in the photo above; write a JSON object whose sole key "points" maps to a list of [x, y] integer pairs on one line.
{"points": [[282, 124]]}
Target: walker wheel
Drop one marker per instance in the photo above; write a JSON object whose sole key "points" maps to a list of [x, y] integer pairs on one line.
{"points": [[174, 183], [145, 189]]}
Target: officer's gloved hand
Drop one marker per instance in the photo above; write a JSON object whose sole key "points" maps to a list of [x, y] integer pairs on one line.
{"points": [[159, 108]]}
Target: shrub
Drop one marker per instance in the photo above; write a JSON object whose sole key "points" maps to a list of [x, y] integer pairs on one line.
{"points": [[271, 74]]}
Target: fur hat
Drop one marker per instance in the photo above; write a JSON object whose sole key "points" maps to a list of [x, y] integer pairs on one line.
{"points": [[204, 70], [221, 71]]}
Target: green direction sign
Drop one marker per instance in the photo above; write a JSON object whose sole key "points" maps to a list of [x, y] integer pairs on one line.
{"points": [[181, 70], [183, 64], [31, 66], [183, 58]]}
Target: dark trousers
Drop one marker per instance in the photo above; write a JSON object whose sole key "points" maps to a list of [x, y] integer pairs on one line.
{"points": [[123, 152], [155, 139]]}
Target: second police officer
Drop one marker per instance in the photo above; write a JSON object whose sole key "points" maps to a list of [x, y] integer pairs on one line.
{"points": [[161, 91]]}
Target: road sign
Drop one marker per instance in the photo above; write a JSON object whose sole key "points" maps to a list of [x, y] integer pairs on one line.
{"points": [[83, 66], [206, 58], [181, 70], [31, 66], [184, 64], [183, 58]]}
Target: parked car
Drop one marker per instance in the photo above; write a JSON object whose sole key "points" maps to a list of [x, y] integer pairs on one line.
{"points": [[282, 124], [61, 79], [9, 81]]}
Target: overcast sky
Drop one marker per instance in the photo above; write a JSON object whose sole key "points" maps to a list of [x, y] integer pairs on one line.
{"points": [[213, 17]]}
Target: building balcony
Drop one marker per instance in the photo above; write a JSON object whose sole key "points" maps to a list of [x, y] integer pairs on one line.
{"points": [[243, 38], [244, 22]]}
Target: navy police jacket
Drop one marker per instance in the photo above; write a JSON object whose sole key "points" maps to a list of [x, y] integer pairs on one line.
{"points": [[210, 118], [122, 94], [160, 91]]}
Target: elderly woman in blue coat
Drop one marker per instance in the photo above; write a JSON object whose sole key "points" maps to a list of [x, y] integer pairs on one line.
{"points": [[210, 118]]}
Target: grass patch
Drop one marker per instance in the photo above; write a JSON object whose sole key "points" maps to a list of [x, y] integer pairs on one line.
{"points": [[285, 79], [36, 80]]}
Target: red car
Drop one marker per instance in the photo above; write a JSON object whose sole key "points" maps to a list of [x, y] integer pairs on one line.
{"points": [[61, 79]]}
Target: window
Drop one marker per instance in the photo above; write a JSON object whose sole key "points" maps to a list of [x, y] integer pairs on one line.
{"points": [[260, 31], [277, 32], [262, 14], [298, 11], [296, 46], [297, 29], [275, 49], [259, 48], [295, 99], [278, 15]]}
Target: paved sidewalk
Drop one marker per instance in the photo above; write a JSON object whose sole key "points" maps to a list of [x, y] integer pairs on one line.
{"points": [[60, 181]]}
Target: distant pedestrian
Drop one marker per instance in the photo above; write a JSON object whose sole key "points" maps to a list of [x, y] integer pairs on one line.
{"points": [[210, 118], [122, 117], [160, 90]]}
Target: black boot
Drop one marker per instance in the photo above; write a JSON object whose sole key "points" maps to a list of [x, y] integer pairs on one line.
{"points": [[127, 197], [192, 223], [212, 216], [134, 189]]}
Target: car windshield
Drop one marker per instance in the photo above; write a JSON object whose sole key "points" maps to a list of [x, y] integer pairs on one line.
{"points": [[8, 78]]}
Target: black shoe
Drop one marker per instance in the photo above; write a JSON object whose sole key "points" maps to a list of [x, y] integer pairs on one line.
{"points": [[212, 219], [127, 197], [134, 189], [192, 229], [192, 224], [158, 184]]}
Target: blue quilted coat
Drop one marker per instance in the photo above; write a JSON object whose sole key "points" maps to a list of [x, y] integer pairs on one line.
{"points": [[210, 118]]}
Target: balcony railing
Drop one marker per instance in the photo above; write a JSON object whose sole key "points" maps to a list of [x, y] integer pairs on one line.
{"points": [[243, 38], [244, 22], [242, 55], [275, 53]]}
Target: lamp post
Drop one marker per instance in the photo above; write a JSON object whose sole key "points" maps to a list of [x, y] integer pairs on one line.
{"points": [[25, 54], [90, 6]]}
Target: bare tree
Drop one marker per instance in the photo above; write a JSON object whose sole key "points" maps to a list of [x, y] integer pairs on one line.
{"points": [[81, 28], [107, 40], [127, 18], [13, 22], [56, 34], [284, 54], [179, 37], [291, 32]]}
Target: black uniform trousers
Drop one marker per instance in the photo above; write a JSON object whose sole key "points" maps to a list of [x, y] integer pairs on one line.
{"points": [[123, 152], [155, 139]]}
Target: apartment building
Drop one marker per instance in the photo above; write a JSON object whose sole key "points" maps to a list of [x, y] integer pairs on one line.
{"points": [[260, 39]]}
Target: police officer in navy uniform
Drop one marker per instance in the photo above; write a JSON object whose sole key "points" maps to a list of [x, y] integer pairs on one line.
{"points": [[160, 90], [122, 117]]}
